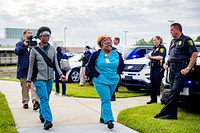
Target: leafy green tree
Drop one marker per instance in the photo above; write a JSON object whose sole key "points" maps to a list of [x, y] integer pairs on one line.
{"points": [[151, 42], [142, 42], [198, 39]]}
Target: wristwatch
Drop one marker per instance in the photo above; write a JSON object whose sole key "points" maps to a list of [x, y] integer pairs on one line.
{"points": [[188, 68]]}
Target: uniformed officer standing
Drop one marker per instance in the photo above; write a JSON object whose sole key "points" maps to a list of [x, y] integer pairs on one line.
{"points": [[157, 59], [182, 57]]}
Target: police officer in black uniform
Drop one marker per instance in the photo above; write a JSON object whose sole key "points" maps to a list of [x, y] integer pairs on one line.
{"points": [[157, 59], [182, 57]]}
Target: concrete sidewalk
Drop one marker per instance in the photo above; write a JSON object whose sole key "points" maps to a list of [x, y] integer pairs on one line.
{"points": [[72, 115]]}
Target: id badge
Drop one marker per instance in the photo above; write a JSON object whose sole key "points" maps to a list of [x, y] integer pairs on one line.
{"points": [[107, 60]]}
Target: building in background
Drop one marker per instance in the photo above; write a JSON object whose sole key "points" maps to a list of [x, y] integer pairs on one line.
{"points": [[16, 33], [7, 45]]}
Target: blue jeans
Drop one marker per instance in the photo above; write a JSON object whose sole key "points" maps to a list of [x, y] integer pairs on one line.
{"points": [[43, 89], [105, 92]]}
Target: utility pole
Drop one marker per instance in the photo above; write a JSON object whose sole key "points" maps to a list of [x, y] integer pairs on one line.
{"points": [[65, 41], [125, 37]]}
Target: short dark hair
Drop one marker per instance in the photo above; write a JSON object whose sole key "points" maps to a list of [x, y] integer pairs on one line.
{"points": [[88, 47], [59, 49], [177, 25], [118, 39], [41, 29]]}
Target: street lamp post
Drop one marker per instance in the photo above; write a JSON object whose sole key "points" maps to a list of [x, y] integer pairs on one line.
{"points": [[125, 37], [65, 41]]}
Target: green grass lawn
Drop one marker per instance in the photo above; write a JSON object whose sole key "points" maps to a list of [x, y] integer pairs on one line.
{"points": [[9, 66], [7, 124], [10, 79], [88, 91], [141, 119]]}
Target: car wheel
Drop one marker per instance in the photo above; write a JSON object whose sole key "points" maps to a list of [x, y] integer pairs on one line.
{"points": [[74, 76]]}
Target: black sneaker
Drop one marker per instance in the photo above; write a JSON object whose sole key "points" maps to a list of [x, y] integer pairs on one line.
{"points": [[36, 105], [25, 106], [110, 125], [48, 125]]}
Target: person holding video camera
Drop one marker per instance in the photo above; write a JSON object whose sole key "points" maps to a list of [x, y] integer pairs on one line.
{"points": [[22, 50]]}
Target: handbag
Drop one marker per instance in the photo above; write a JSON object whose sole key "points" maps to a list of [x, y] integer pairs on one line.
{"points": [[64, 65]]}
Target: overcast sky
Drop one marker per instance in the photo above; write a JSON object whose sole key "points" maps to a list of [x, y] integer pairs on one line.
{"points": [[87, 19]]}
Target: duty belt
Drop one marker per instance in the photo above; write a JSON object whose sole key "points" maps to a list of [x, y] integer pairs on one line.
{"points": [[178, 63], [155, 64]]}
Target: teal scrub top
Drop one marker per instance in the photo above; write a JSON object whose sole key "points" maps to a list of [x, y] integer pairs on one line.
{"points": [[107, 67]]}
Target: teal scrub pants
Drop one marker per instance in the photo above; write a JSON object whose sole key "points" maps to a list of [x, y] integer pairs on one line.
{"points": [[43, 91], [105, 92]]}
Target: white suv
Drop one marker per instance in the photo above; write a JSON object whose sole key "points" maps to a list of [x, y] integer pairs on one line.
{"points": [[136, 74]]}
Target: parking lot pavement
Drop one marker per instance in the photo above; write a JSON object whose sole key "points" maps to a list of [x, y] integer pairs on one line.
{"points": [[74, 115]]}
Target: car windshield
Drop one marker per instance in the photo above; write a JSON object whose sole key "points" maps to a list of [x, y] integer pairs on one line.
{"points": [[127, 51], [136, 52]]}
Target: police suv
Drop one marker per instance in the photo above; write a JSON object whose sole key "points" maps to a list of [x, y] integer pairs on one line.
{"points": [[191, 91], [136, 74]]}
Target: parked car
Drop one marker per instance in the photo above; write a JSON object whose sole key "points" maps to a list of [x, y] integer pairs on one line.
{"points": [[73, 74], [75, 62], [191, 91], [136, 52]]}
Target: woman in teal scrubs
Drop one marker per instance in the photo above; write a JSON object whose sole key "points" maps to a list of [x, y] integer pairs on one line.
{"points": [[106, 65]]}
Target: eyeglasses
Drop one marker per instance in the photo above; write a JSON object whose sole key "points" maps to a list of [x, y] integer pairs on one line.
{"points": [[108, 43]]}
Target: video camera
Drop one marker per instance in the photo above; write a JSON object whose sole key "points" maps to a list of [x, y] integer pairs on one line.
{"points": [[32, 42]]}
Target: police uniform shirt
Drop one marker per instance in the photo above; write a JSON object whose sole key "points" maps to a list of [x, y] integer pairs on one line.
{"points": [[181, 49], [159, 51]]}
